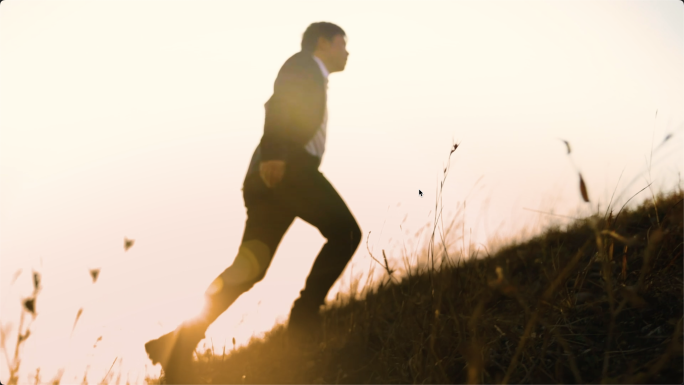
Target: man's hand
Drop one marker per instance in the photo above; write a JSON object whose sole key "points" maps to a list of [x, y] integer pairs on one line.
{"points": [[272, 172]]}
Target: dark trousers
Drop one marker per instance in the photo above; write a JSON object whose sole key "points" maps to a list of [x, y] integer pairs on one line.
{"points": [[305, 193]]}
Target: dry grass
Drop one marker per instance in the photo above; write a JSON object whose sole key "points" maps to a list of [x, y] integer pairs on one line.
{"points": [[597, 302], [575, 306]]}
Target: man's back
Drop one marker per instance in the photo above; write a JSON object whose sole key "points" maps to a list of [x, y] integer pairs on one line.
{"points": [[293, 114]]}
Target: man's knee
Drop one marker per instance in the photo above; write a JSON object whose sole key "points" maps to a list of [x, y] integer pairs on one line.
{"points": [[349, 235], [248, 268], [355, 234]]}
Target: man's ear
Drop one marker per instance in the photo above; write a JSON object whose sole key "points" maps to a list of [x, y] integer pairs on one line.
{"points": [[323, 43]]}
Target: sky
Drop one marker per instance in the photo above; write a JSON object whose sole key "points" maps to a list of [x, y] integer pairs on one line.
{"points": [[138, 119]]}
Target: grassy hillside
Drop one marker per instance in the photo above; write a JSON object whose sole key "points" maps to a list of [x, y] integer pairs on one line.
{"points": [[600, 301]]}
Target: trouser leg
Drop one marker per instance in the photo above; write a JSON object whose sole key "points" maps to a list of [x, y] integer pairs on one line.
{"points": [[248, 268], [327, 268], [264, 229], [311, 197]]}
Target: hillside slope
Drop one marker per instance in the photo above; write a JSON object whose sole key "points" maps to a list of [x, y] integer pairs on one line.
{"points": [[598, 302]]}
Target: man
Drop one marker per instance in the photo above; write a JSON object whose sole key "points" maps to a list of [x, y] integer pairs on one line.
{"points": [[282, 182]]}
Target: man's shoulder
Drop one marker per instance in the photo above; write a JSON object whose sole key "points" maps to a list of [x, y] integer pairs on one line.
{"points": [[301, 57], [300, 61]]}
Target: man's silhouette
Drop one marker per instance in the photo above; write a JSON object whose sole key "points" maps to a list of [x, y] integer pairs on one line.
{"points": [[283, 182]]}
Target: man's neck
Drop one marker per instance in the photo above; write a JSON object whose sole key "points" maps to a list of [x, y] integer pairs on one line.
{"points": [[327, 67]]}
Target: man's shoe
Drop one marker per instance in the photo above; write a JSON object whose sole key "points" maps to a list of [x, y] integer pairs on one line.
{"points": [[174, 352], [305, 329], [305, 319], [179, 369], [159, 350]]}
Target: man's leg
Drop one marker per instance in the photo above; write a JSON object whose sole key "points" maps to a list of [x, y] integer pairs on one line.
{"points": [[267, 222], [311, 197], [264, 229]]}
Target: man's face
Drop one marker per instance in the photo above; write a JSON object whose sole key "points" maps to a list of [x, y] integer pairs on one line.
{"points": [[335, 52]]}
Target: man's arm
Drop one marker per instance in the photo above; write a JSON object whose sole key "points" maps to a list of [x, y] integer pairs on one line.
{"points": [[293, 113]]}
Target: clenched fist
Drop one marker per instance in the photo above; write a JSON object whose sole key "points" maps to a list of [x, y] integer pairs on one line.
{"points": [[272, 172]]}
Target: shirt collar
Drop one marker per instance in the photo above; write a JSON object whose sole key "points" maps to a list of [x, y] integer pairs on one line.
{"points": [[321, 65]]}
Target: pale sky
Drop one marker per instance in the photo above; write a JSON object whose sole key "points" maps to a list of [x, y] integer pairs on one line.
{"points": [[138, 119]]}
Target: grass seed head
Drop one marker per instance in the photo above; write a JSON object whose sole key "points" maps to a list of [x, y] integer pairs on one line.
{"points": [[128, 243], [30, 305], [36, 280], [94, 273], [583, 189]]}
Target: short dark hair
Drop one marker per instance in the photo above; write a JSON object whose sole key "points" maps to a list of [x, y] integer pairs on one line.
{"points": [[316, 30]]}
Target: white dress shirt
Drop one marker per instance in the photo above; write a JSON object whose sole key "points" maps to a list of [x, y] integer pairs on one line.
{"points": [[316, 145]]}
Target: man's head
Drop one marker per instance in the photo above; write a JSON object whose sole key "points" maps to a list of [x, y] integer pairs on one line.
{"points": [[329, 43]]}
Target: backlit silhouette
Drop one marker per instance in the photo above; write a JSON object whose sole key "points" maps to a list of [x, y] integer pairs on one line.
{"points": [[282, 183]]}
